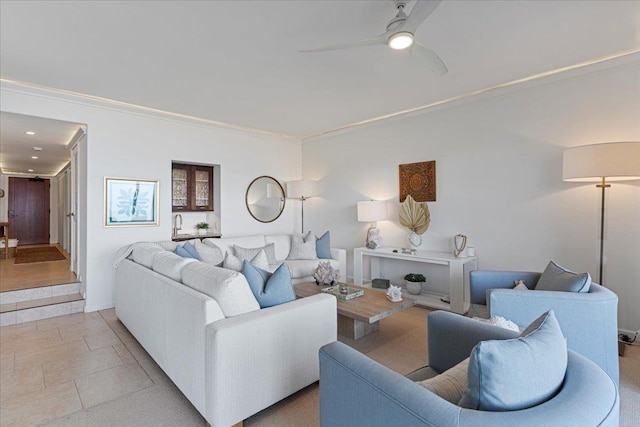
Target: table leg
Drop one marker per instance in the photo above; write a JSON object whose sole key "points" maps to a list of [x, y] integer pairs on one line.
{"points": [[355, 329]]}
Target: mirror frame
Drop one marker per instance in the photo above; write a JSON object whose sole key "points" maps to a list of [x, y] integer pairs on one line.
{"points": [[246, 198]]}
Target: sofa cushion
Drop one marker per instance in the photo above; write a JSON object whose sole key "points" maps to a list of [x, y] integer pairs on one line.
{"points": [[170, 265], [249, 253], [168, 245], [303, 247], [229, 288], [211, 254], [269, 288], [323, 246], [144, 255], [180, 251], [282, 243], [227, 243], [507, 375], [557, 278], [450, 384], [234, 263]]}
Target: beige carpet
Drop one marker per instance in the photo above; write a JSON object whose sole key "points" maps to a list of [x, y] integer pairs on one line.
{"points": [[400, 345]]}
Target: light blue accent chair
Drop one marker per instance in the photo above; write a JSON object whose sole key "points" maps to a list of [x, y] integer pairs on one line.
{"points": [[357, 391], [588, 320]]}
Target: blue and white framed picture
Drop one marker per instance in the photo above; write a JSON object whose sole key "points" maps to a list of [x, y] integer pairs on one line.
{"points": [[130, 202]]}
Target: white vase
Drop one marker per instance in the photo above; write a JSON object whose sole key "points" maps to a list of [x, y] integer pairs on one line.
{"points": [[415, 240], [202, 231], [414, 288]]}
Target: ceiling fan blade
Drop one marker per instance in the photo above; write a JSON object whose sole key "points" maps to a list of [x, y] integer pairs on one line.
{"points": [[421, 11], [428, 58], [379, 39]]}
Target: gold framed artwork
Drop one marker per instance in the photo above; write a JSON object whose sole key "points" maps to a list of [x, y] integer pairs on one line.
{"points": [[418, 180], [130, 202]]}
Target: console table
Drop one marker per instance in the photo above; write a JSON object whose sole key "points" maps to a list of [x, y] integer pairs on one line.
{"points": [[459, 268]]}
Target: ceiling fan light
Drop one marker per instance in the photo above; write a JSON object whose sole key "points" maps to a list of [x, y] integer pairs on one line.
{"points": [[400, 40]]}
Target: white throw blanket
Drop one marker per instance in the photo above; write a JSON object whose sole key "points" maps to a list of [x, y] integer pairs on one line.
{"points": [[125, 251]]}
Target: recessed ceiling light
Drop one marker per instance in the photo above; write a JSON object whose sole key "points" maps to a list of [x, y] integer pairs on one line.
{"points": [[34, 157], [30, 170], [29, 132], [37, 148]]}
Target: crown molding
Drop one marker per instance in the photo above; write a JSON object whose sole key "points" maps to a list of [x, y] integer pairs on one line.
{"points": [[32, 89]]}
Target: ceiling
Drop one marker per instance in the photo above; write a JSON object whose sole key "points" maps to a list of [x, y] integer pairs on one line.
{"points": [[237, 62]]}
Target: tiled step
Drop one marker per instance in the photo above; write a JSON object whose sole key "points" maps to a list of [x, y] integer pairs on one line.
{"points": [[40, 303]]}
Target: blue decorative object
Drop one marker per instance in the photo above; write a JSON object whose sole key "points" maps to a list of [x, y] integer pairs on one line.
{"points": [[269, 288], [323, 246], [192, 250], [183, 252]]}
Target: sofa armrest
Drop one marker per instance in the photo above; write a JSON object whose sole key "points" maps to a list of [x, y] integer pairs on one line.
{"points": [[257, 359], [451, 337], [341, 256], [357, 391], [482, 280]]}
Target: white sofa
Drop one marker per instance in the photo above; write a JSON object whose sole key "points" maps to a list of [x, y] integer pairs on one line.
{"points": [[229, 365], [301, 270]]}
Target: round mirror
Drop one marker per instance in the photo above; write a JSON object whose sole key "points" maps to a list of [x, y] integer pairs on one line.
{"points": [[265, 199]]}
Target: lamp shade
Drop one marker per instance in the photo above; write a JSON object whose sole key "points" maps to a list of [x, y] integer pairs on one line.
{"points": [[372, 211], [615, 161], [302, 189]]}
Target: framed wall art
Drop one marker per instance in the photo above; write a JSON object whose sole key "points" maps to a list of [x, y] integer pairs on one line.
{"points": [[418, 180], [130, 202]]}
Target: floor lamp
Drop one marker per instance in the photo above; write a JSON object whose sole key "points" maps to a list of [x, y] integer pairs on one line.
{"points": [[602, 163], [302, 190]]}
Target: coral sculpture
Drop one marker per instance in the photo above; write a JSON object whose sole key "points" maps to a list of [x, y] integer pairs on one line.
{"points": [[325, 274]]}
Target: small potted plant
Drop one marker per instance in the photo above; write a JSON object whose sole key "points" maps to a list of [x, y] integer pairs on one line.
{"points": [[414, 282], [325, 274], [202, 228]]}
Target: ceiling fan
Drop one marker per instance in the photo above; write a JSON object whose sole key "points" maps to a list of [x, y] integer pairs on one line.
{"points": [[400, 35]]}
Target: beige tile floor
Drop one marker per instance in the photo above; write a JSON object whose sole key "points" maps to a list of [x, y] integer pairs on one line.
{"points": [[56, 367]]}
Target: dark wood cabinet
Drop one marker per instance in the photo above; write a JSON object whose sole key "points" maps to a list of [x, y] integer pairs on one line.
{"points": [[192, 187]]}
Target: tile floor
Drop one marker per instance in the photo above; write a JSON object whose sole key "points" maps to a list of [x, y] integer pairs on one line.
{"points": [[67, 364]]}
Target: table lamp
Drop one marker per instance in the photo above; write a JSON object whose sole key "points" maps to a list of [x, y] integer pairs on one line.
{"points": [[372, 211]]}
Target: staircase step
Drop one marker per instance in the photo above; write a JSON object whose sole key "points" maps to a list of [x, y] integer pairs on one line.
{"points": [[40, 303]]}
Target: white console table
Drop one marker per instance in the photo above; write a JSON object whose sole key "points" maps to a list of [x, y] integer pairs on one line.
{"points": [[459, 269]]}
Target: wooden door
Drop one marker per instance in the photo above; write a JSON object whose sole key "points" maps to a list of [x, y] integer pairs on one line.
{"points": [[29, 210]]}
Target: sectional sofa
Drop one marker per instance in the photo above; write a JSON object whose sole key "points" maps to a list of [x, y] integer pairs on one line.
{"points": [[203, 326]]}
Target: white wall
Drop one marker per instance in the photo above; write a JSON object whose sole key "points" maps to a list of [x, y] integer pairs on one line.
{"points": [[499, 178], [136, 145]]}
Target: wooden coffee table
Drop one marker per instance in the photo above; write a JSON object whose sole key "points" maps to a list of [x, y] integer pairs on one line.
{"points": [[360, 316]]}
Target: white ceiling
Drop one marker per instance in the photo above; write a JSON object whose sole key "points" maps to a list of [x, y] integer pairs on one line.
{"points": [[238, 62], [17, 148]]}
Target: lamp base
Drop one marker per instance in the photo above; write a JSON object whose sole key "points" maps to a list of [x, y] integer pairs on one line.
{"points": [[373, 238]]}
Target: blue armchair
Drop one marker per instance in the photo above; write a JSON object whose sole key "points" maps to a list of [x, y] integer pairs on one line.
{"points": [[357, 391], [589, 320]]}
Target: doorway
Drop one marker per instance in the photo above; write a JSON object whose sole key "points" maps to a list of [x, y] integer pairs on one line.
{"points": [[29, 210]]}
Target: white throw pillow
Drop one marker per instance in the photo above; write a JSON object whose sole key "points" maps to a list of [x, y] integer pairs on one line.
{"points": [[450, 384], [234, 263], [210, 253], [303, 247], [230, 289], [520, 286], [250, 253]]}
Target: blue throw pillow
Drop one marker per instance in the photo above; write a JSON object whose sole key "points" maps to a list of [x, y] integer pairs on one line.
{"points": [[556, 278], [183, 252], [508, 375], [269, 288], [192, 250], [323, 246]]}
